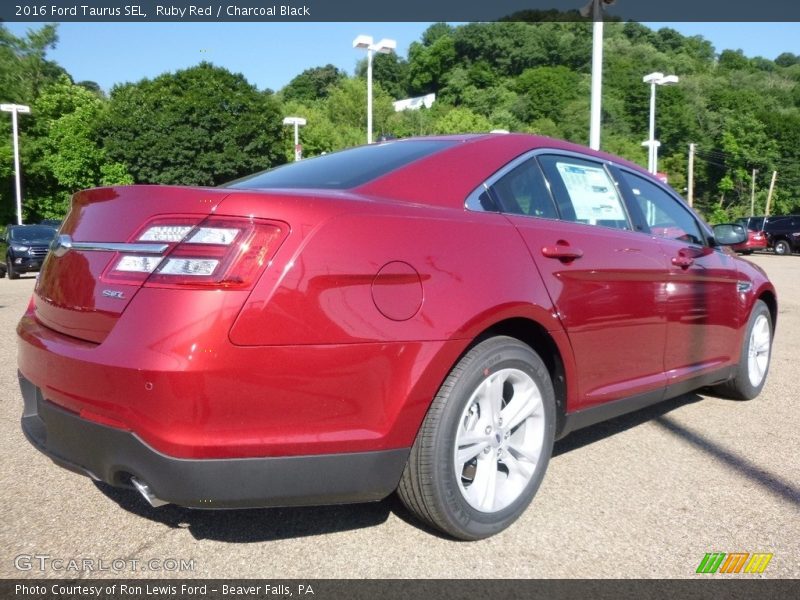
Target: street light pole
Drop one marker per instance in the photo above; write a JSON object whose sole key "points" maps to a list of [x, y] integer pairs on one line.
{"points": [[651, 161], [297, 122], [14, 109], [370, 53], [385, 46], [655, 79]]}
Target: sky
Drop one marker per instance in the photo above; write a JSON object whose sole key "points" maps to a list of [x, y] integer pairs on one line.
{"points": [[271, 54]]}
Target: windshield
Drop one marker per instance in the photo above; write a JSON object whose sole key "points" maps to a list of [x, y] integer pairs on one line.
{"points": [[345, 169], [34, 233]]}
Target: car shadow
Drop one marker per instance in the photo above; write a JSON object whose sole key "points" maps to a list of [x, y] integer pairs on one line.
{"points": [[270, 524], [256, 524], [589, 435]]}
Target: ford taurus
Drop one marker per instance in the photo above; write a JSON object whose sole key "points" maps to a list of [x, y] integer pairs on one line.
{"points": [[424, 315]]}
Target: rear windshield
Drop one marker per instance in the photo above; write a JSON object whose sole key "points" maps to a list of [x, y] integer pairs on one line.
{"points": [[345, 169], [33, 233]]}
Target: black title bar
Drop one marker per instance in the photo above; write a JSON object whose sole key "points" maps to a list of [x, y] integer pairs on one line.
{"points": [[401, 10], [701, 588]]}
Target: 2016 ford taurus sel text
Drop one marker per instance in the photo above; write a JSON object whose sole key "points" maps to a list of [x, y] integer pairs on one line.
{"points": [[424, 315]]}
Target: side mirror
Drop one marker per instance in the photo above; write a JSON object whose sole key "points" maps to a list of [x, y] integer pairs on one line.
{"points": [[729, 234]]}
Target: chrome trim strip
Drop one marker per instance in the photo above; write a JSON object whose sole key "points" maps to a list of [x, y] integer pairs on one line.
{"points": [[515, 162], [63, 244]]}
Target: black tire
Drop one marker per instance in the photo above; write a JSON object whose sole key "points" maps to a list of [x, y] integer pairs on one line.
{"points": [[741, 386], [432, 488], [783, 247], [12, 274]]}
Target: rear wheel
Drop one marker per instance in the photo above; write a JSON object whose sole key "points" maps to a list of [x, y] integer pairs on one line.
{"points": [[782, 247], [484, 446], [751, 372], [12, 274]]}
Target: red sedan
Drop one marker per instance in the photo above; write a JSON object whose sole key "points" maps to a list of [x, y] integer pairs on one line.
{"points": [[424, 315], [756, 240]]}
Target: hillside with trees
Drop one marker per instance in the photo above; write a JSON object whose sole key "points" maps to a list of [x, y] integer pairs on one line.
{"points": [[205, 125]]}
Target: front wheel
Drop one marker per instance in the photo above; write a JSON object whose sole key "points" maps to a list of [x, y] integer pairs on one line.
{"points": [[484, 446], [12, 274], [751, 371], [782, 247]]}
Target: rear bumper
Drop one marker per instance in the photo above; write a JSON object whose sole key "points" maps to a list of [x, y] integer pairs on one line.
{"points": [[114, 456], [750, 246], [182, 388]]}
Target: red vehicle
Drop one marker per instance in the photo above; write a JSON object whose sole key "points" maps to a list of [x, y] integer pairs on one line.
{"points": [[426, 315], [756, 240]]}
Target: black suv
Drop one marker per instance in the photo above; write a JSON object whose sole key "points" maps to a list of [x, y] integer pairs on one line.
{"points": [[783, 233], [24, 247]]}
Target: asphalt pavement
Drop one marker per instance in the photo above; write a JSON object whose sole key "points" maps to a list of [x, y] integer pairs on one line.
{"points": [[645, 495]]}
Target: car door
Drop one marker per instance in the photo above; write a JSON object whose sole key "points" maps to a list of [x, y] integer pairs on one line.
{"points": [[702, 295], [604, 278]]}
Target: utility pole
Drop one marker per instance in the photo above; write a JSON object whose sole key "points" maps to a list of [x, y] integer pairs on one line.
{"points": [[771, 188], [690, 193], [753, 193], [595, 9], [597, 75]]}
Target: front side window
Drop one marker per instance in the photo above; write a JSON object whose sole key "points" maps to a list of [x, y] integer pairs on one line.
{"points": [[664, 215], [585, 192]]}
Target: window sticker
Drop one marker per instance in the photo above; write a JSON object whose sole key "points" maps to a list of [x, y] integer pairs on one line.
{"points": [[592, 193]]}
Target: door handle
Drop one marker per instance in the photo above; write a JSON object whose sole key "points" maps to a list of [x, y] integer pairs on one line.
{"points": [[682, 261], [562, 251]]}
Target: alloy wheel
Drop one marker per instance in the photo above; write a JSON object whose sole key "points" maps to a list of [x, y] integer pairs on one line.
{"points": [[499, 440]]}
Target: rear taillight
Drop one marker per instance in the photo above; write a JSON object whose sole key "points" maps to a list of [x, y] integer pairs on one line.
{"points": [[217, 252]]}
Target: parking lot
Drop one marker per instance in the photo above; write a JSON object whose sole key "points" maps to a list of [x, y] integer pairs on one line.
{"points": [[645, 495]]}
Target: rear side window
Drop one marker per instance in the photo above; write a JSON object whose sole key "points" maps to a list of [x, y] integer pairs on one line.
{"points": [[523, 191], [584, 192], [345, 169], [665, 216]]}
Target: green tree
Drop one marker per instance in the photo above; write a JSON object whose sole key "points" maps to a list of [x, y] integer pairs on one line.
{"points": [[312, 84], [200, 126], [390, 71], [24, 71], [347, 108], [428, 64], [70, 152], [462, 120], [545, 91]]}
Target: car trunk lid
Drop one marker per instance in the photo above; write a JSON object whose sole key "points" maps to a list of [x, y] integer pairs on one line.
{"points": [[74, 294]]}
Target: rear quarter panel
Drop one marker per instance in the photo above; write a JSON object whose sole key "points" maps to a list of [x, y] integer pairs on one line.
{"points": [[455, 273]]}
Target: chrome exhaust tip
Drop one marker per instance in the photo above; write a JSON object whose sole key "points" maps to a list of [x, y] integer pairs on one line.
{"points": [[147, 493]]}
